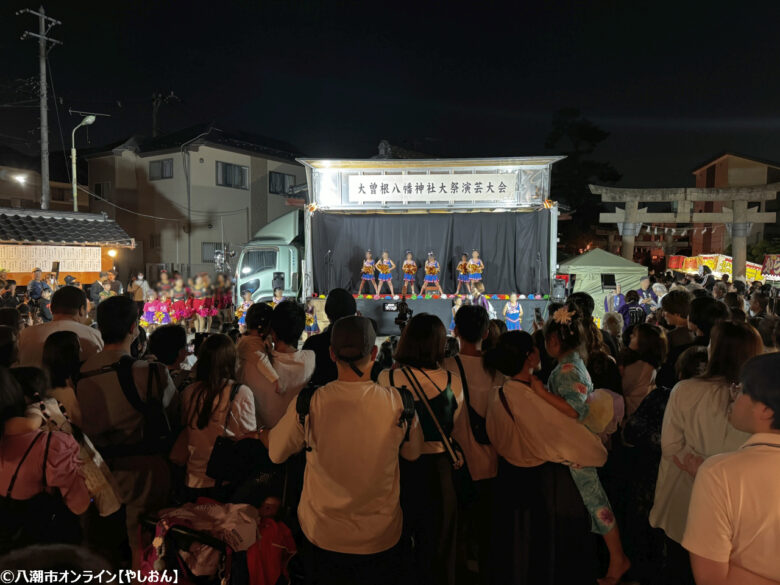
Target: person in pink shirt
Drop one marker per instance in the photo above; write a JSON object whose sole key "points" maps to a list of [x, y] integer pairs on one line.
{"points": [[41, 488]]}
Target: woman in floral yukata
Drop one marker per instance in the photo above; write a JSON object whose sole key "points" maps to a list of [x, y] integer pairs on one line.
{"points": [[570, 388]]}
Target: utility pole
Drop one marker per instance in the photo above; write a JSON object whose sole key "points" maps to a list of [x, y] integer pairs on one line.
{"points": [[159, 99], [45, 24]]}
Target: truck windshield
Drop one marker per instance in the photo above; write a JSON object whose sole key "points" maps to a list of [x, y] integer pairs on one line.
{"points": [[257, 260]]}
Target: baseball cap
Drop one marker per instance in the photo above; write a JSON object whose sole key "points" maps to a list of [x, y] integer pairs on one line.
{"points": [[352, 338], [339, 303], [69, 279]]}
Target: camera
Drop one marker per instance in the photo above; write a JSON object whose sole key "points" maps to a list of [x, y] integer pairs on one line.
{"points": [[404, 313]]}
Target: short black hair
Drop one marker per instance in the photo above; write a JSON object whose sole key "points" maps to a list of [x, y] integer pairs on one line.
{"points": [[632, 296], [61, 357], [33, 382], [510, 353], [68, 300], [116, 317], [8, 346], [472, 322], [12, 402], [677, 302], [339, 303], [288, 321], [761, 299], [760, 382], [10, 317], [258, 316], [705, 312], [166, 342]]}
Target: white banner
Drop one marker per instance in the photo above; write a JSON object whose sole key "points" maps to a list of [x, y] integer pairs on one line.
{"points": [[71, 258], [499, 187]]}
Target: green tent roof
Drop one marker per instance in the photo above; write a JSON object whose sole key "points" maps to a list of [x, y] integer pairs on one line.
{"points": [[598, 260]]}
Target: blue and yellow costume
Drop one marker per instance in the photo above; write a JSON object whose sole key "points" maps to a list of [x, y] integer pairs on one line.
{"points": [[475, 268], [311, 321], [384, 270], [410, 270], [368, 270], [513, 317], [463, 272], [431, 271]]}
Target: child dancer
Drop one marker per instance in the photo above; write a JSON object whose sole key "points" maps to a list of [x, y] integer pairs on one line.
{"points": [[179, 307], [409, 268], [570, 388], [431, 275], [463, 274], [165, 285], [367, 272], [150, 308], [199, 295], [242, 309], [476, 267], [278, 297], [513, 314], [312, 328], [162, 315], [385, 266], [457, 303]]}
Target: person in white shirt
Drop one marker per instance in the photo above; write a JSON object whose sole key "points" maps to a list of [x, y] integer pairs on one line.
{"points": [[254, 347], [471, 328], [733, 527], [69, 309], [293, 367], [428, 492], [350, 509], [214, 406]]}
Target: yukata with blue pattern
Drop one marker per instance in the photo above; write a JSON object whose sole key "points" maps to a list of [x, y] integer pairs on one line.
{"points": [[570, 380]]}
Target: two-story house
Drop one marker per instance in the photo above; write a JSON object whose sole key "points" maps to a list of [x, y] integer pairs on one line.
{"points": [[185, 194]]}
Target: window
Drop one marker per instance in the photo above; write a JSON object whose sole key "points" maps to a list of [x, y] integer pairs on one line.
{"points": [[608, 282], [229, 175], [154, 242], [58, 194], [280, 183], [207, 251], [102, 189], [161, 169], [256, 260]]}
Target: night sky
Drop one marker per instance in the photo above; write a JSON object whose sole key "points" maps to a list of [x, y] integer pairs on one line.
{"points": [[673, 83]]}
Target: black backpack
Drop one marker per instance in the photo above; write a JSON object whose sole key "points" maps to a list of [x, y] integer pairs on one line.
{"points": [[303, 403], [157, 435], [636, 315]]}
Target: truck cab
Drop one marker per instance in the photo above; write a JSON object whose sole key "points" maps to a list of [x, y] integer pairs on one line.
{"points": [[272, 259]]}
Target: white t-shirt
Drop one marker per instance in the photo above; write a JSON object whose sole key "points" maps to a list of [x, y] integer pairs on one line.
{"points": [[350, 501], [31, 340], [734, 514], [481, 459], [294, 370], [200, 442]]}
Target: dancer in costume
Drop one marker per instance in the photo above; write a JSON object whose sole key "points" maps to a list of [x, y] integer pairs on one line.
{"points": [[164, 285], [385, 266], [150, 308], [200, 294], [476, 268], [457, 303], [224, 298], [367, 272], [431, 275], [162, 314], [409, 268], [278, 297], [513, 314], [463, 274], [312, 328], [180, 309], [242, 309]]}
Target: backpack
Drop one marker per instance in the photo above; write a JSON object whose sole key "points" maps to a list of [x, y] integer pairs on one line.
{"points": [[303, 404], [157, 435], [636, 315]]}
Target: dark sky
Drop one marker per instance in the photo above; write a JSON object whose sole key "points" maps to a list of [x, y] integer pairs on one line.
{"points": [[673, 83]]}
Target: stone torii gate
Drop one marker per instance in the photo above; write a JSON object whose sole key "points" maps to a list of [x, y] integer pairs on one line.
{"points": [[738, 219]]}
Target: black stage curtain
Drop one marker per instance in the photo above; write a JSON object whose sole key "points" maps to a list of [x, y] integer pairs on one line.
{"points": [[513, 246]]}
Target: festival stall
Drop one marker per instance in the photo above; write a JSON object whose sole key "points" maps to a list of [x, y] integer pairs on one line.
{"points": [[82, 244], [771, 267], [597, 272], [719, 264]]}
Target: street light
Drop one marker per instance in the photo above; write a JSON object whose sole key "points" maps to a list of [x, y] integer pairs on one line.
{"points": [[88, 120]]}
